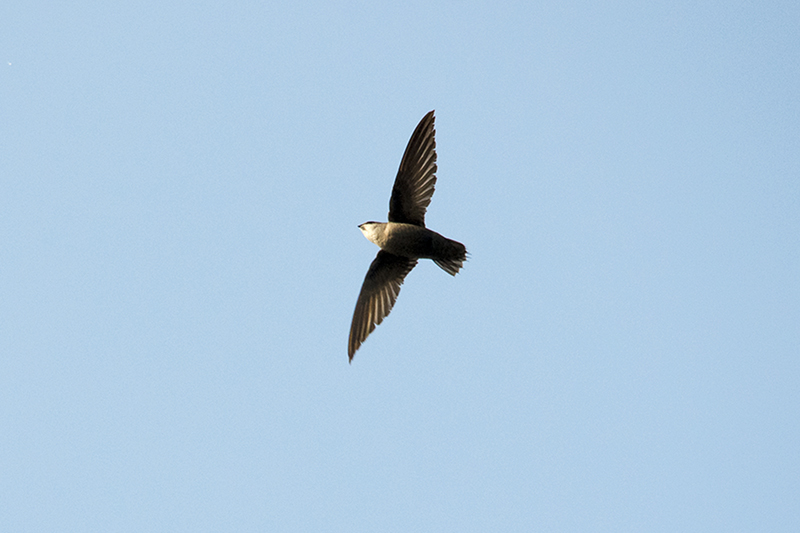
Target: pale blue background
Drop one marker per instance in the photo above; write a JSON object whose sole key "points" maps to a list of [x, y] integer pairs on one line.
{"points": [[179, 262]]}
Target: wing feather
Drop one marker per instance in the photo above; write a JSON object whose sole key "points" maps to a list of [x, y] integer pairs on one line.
{"points": [[416, 177], [378, 295]]}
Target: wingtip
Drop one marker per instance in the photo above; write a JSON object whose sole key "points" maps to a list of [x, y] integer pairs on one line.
{"points": [[352, 348]]}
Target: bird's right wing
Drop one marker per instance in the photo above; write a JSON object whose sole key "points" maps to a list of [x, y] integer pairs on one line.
{"points": [[378, 294], [416, 177]]}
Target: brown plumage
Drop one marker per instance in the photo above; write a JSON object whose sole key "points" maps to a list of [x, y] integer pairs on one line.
{"points": [[404, 239]]}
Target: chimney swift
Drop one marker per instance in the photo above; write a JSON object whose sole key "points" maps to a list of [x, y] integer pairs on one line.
{"points": [[404, 239]]}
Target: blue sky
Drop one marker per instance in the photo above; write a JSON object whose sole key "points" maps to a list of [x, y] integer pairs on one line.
{"points": [[181, 188]]}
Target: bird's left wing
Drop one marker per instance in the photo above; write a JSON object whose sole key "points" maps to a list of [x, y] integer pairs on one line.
{"points": [[416, 177], [378, 294]]}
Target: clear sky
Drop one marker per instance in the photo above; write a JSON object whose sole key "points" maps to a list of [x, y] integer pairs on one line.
{"points": [[180, 189]]}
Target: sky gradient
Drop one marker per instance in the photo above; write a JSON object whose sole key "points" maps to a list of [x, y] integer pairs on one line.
{"points": [[181, 187]]}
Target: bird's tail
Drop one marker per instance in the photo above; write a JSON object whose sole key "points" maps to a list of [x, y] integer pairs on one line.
{"points": [[451, 256]]}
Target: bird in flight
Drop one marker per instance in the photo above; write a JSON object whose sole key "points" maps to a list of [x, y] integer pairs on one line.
{"points": [[404, 239]]}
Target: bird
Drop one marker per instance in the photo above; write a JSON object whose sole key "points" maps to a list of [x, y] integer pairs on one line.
{"points": [[404, 239]]}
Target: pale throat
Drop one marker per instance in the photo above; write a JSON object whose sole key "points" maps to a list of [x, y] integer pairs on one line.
{"points": [[374, 234]]}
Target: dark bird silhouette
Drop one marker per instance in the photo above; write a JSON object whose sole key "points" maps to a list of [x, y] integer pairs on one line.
{"points": [[404, 239]]}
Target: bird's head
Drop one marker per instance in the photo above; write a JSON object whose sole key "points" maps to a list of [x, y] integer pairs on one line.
{"points": [[367, 226], [372, 230]]}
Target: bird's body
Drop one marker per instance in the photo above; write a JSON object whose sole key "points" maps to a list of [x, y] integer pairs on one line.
{"points": [[404, 239], [416, 242]]}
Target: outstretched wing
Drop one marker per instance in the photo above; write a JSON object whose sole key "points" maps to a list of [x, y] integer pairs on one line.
{"points": [[416, 178], [378, 294]]}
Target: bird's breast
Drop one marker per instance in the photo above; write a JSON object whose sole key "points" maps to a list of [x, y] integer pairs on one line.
{"points": [[408, 240]]}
